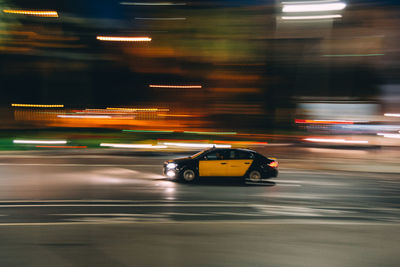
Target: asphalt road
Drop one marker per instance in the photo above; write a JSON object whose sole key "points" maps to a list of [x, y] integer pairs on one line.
{"points": [[117, 210]]}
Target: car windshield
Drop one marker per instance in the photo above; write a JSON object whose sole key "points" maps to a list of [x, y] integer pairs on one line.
{"points": [[198, 154]]}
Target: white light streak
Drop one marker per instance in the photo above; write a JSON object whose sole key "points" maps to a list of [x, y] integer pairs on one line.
{"points": [[392, 114], [196, 145], [308, 2], [340, 141], [389, 135], [39, 141], [123, 39], [336, 16], [132, 145], [84, 116], [314, 7]]}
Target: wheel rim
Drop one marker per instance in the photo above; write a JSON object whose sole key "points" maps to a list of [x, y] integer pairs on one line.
{"points": [[188, 175], [255, 176]]}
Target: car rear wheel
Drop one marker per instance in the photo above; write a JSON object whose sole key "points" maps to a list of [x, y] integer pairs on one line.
{"points": [[188, 176], [254, 176]]}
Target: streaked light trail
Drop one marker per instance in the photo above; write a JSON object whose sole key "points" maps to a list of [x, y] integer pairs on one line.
{"points": [[354, 55], [132, 145], [123, 39], [36, 13], [40, 142], [36, 106], [323, 121], [313, 7], [340, 141], [175, 86], [152, 4], [311, 17], [84, 116], [392, 114], [389, 135], [139, 109], [196, 145]]}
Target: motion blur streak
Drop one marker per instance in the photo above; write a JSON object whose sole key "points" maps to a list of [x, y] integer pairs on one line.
{"points": [[84, 116], [139, 109], [311, 17], [36, 106], [39, 141], [314, 7], [148, 131], [241, 142], [212, 133], [123, 39], [196, 145], [324, 121], [62, 146], [389, 135], [132, 145], [152, 4], [160, 18], [354, 55], [43, 13], [175, 86], [342, 141], [392, 114]]}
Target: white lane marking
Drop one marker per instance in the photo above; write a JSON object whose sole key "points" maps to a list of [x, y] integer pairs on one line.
{"points": [[110, 214], [278, 181], [118, 201], [289, 185], [223, 222], [126, 205]]}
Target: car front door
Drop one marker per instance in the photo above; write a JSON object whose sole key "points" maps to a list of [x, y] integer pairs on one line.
{"points": [[214, 163]]}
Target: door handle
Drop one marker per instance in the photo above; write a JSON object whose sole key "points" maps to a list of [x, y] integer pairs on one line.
{"points": [[247, 163], [223, 163]]}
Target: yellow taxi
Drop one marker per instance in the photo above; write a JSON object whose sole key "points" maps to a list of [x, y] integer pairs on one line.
{"points": [[217, 162]]}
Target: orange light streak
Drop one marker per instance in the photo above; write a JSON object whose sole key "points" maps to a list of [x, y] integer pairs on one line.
{"points": [[323, 121], [139, 109], [36, 13], [36, 106], [241, 142]]}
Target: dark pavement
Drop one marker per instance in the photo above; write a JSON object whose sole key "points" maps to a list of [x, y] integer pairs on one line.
{"points": [[117, 210]]}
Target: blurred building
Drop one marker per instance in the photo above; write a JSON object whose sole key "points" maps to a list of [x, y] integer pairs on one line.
{"points": [[238, 63]]}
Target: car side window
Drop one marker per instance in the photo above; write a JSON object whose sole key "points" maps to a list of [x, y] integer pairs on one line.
{"points": [[243, 155], [217, 155]]}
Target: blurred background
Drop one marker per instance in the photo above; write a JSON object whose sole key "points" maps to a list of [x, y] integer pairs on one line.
{"points": [[288, 69], [97, 95]]}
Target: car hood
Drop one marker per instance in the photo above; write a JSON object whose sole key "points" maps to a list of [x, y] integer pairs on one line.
{"points": [[179, 160]]}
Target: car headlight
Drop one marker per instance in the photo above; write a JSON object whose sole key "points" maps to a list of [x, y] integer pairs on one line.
{"points": [[171, 165]]}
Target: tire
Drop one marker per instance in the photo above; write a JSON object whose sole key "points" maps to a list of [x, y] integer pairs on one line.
{"points": [[188, 176], [254, 176]]}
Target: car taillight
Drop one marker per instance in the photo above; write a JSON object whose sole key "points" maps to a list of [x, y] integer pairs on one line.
{"points": [[273, 164]]}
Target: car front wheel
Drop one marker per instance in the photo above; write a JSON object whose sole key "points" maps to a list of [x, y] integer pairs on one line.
{"points": [[188, 176]]}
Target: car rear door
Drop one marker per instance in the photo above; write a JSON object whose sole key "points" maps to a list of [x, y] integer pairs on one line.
{"points": [[239, 162]]}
